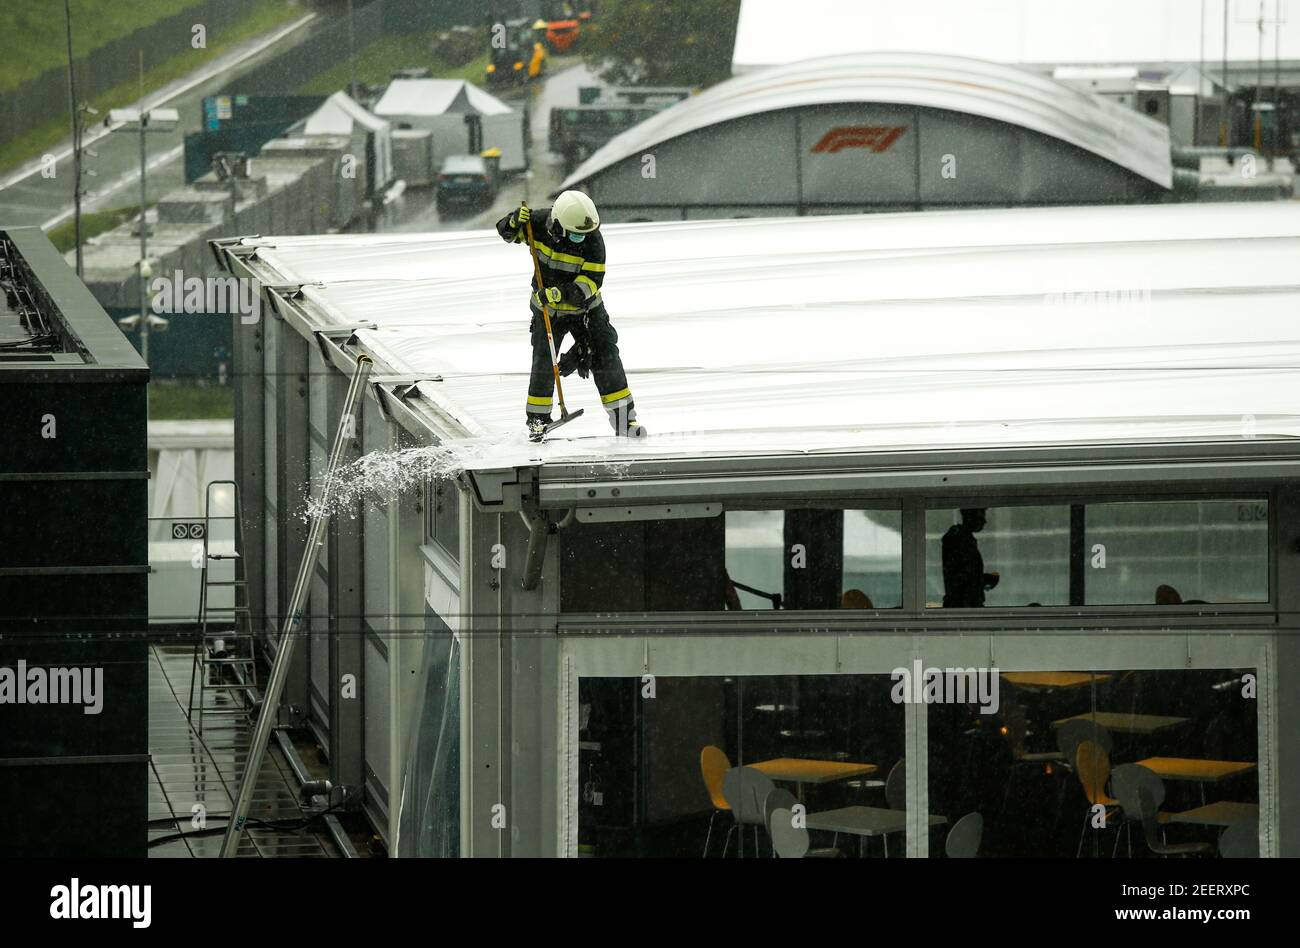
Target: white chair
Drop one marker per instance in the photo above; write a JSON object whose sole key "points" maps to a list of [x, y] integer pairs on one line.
{"points": [[791, 841], [964, 838], [745, 789], [1240, 841]]}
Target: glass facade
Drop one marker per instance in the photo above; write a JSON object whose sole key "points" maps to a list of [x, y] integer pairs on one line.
{"points": [[1170, 553], [1104, 727], [666, 764]]}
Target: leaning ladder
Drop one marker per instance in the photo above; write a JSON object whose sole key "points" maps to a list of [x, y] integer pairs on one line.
{"points": [[224, 656]]}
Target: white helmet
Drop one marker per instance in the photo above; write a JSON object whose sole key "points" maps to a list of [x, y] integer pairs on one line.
{"points": [[575, 213]]}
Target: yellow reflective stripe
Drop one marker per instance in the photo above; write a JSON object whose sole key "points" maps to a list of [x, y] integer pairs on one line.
{"points": [[615, 396], [594, 267], [539, 399], [566, 257], [590, 284], [557, 255]]}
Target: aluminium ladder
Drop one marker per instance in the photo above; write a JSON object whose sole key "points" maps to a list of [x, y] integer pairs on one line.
{"points": [[224, 653]]}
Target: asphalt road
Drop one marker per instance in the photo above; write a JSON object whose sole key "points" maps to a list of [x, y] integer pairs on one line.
{"points": [[29, 198]]}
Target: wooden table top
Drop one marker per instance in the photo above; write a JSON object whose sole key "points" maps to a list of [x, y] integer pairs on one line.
{"points": [[864, 820], [1054, 679], [798, 770], [1191, 768], [1219, 813], [1122, 723]]}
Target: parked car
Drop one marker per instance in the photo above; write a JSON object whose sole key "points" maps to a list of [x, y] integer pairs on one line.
{"points": [[465, 179]]}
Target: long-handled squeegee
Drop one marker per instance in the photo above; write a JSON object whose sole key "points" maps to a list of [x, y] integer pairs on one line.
{"points": [[565, 415], [293, 617]]}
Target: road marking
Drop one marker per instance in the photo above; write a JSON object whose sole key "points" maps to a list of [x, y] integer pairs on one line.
{"points": [[122, 181], [202, 75]]}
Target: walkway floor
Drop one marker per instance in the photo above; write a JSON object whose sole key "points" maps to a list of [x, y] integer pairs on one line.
{"points": [[195, 776]]}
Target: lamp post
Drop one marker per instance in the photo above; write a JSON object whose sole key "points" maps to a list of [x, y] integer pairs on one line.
{"points": [[144, 121], [352, 52], [75, 117]]}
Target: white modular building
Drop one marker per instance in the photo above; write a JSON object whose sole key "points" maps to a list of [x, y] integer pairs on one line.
{"points": [[340, 114], [555, 634], [449, 108]]}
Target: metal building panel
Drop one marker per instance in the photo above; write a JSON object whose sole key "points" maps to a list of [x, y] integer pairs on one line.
{"points": [[966, 159], [744, 161], [318, 649], [717, 212], [375, 541], [858, 152], [1051, 172], [378, 756]]}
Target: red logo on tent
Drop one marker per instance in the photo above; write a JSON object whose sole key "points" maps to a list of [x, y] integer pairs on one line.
{"points": [[876, 138]]}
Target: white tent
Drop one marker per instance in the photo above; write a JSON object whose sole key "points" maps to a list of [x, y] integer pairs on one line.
{"points": [[441, 105], [342, 115]]}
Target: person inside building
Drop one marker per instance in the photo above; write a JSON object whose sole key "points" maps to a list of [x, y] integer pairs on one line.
{"points": [[855, 599], [571, 255], [964, 579], [1168, 596]]}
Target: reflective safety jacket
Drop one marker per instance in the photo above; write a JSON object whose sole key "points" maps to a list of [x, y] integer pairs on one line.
{"points": [[577, 269]]}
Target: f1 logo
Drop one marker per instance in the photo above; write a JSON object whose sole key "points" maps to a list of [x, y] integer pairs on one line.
{"points": [[875, 138]]}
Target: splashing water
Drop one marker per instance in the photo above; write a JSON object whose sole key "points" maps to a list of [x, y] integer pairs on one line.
{"points": [[387, 474]]}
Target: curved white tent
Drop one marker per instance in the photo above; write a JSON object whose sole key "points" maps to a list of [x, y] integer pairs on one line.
{"points": [[949, 83]]}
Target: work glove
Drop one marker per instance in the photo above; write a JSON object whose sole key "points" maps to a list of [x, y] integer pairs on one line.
{"points": [[554, 295], [521, 216], [577, 358]]}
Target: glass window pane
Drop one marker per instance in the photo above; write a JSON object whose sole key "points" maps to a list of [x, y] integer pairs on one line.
{"points": [[873, 559], [755, 545], [653, 769], [1062, 741], [1168, 553], [997, 557], [444, 517], [815, 558]]}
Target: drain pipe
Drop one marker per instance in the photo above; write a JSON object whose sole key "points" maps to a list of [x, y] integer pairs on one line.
{"points": [[539, 529], [292, 620]]}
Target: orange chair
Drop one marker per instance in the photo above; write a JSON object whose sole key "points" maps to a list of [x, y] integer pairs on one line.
{"points": [[1092, 764], [713, 765]]}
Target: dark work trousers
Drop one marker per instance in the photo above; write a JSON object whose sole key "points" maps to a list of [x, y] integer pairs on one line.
{"points": [[601, 339]]}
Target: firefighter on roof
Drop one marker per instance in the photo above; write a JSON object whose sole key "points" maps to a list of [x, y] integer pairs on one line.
{"points": [[571, 253]]}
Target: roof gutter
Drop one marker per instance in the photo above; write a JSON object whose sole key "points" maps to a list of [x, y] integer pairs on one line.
{"points": [[1045, 470]]}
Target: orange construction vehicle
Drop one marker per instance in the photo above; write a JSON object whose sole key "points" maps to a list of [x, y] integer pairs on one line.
{"points": [[563, 21]]}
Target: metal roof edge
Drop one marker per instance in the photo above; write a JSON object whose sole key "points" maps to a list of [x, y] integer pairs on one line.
{"points": [[412, 411], [103, 345], [1039, 469]]}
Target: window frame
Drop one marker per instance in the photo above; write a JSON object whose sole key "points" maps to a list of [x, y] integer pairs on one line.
{"points": [[913, 612]]}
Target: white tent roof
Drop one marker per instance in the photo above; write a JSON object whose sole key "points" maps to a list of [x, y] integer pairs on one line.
{"points": [[338, 114], [435, 97], [1012, 31], [860, 334], [971, 86], [484, 103]]}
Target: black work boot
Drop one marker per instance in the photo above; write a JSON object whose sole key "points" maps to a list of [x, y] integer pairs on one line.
{"points": [[537, 425], [623, 421]]}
